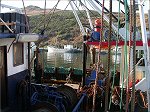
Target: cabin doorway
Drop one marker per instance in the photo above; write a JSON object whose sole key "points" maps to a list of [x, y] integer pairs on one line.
{"points": [[3, 78]]}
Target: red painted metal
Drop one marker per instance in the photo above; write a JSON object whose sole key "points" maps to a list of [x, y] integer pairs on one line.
{"points": [[113, 43]]}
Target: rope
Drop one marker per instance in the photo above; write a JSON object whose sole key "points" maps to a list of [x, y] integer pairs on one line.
{"points": [[52, 14], [115, 55], [108, 69], [125, 49], [127, 78], [42, 77], [44, 14], [98, 68], [134, 57], [25, 15]]}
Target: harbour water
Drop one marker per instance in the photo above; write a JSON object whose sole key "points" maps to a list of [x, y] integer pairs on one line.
{"points": [[75, 60]]}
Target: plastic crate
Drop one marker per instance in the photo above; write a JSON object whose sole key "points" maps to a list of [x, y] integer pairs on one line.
{"points": [[77, 71], [62, 70]]}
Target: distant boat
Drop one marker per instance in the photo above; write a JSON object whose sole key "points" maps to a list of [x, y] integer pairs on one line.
{"points": [[66, 49], [71, 49]]}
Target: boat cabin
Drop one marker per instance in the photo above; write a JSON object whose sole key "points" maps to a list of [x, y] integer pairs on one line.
{"points": [[13, 57]]}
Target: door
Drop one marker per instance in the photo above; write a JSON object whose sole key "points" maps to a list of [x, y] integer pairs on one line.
{"points": [[3, 78]]}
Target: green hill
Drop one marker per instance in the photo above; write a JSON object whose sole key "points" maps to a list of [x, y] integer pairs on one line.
{"points": [[60, 25]]}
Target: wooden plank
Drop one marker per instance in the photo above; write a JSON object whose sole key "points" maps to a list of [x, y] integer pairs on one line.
{"points": [[9, 24]]}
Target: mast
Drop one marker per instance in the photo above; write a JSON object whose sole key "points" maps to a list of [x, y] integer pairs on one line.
{"points": [[146, 50], [77, 18]]}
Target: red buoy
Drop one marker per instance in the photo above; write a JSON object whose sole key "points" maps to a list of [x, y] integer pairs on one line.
{"points": [[97, 27]]}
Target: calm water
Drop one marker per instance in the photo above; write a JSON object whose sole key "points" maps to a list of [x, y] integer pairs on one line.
{"points": [[75, 60]]}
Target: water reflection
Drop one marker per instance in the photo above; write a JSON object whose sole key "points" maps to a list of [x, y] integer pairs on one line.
{"points": [[68, 57], [75, 60]]}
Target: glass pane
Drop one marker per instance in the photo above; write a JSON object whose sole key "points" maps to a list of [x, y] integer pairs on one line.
{"points": [[18, 54]]}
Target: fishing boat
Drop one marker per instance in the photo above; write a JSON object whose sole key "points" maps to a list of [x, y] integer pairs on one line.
{"points": [[65, 49], [14, 51], [98, 90]]}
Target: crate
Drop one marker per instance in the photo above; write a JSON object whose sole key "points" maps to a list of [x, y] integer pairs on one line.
{"points": [[1, 26], [15, 17], [7, 19], [15, 21]]}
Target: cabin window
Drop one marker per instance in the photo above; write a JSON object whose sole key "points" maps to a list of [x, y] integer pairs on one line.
{"points": [[18, 53]]}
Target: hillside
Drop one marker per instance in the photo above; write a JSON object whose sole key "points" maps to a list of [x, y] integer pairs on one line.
{"points": [[61, 26]]}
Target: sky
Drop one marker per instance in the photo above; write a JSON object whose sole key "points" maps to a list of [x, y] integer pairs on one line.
{"points": [[61, 5]]}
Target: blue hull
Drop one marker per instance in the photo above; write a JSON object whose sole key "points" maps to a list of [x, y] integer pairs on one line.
{"points": [[13, 81]]}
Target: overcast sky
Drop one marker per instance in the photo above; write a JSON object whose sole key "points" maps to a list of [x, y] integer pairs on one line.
{"points": [[62, 4]]}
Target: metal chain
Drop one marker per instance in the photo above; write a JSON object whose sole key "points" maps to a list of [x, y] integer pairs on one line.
{"points": [[108, 69]]}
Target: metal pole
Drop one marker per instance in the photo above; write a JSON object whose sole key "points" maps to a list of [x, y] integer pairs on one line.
{"points": [[84, 60], [78, 20], [146, 50], [106, 18], [29, 73]]}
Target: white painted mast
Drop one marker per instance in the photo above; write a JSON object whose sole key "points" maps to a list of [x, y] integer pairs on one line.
{"points": [[88, 15], [146, 50], [77, 18], [93, 4]]}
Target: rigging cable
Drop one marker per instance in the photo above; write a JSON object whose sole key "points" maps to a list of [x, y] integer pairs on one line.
{"points": [[83, 15], [116, 50], [125, 50], [44, 17], [42, 76], [108, 64], [44, 14], [52, 14], [98, 67], [134, 57], [90, 10], [29, 67], [25, 15], [116, 19]]}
